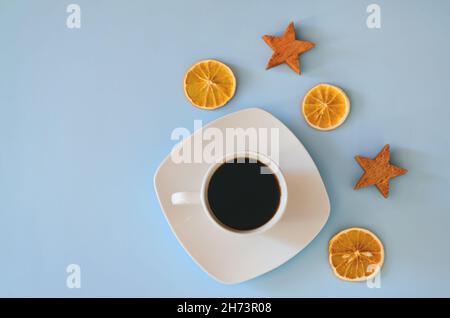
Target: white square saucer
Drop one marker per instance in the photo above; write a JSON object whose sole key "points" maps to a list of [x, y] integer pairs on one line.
{"points": [[231, 258]]}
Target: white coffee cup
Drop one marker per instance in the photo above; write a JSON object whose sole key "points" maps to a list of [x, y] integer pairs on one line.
{"points": [[200, 198]]}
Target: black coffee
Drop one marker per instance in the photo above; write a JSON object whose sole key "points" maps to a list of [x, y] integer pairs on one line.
{"points": [[242, 197]]}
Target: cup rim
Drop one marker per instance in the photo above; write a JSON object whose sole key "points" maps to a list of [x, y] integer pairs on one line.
{"points": [[272, 166]]}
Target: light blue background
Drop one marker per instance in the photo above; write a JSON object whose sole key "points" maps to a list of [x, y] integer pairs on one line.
{"points": [[86, 117]]}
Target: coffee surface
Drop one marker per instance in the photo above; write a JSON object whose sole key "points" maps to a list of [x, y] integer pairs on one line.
{"points": [[241, 197]]}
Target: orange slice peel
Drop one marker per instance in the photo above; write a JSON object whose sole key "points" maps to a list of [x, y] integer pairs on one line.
{"points": [[325, 107], [355, 254], [209, 84]]}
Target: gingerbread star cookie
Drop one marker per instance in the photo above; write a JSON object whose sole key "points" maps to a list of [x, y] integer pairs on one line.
{"points": [[286, 49], [378, 171]]}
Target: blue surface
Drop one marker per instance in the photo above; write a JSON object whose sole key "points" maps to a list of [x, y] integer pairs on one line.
{"points": [[86, 117]]}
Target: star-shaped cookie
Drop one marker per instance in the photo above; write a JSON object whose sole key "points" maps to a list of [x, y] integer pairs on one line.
{"points": [[286, 49], [378, 171]]}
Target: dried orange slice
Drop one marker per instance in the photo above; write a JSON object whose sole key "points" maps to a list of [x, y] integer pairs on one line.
{"points": [[325, 107], [355, 254], [209, 84]]}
